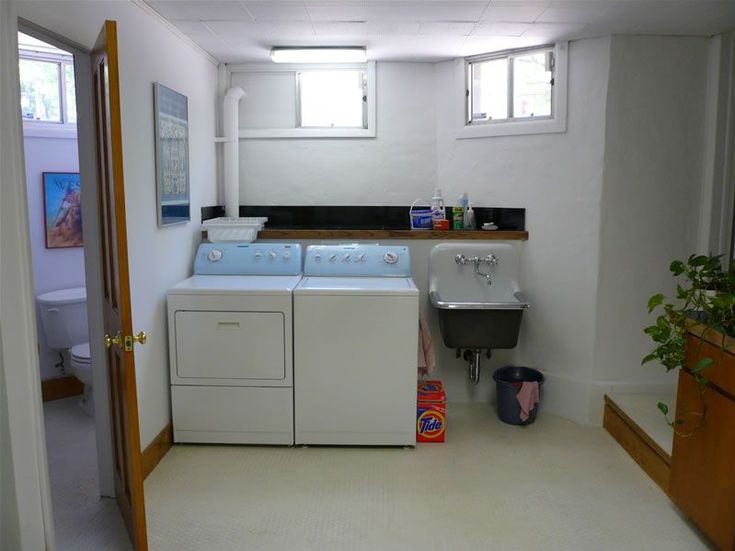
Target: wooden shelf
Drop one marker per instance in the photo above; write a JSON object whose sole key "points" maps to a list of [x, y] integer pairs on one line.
{"points": [[478, 235]]}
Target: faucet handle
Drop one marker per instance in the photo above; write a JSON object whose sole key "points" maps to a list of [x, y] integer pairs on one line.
{"points": [[460, 259], [491, 259]]}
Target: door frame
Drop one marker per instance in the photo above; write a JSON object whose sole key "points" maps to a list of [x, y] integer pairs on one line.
{"points": [[87, 147]]}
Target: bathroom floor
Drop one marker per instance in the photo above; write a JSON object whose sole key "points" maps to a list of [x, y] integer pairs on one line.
{"points": [[83, 521], [552, 485]]}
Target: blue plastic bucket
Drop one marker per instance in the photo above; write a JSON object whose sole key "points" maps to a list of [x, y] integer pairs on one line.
{"points": [[420, 218]]}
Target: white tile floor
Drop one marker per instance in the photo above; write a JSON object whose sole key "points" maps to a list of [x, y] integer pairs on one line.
{"points": [[552, 485], [83, 521]]}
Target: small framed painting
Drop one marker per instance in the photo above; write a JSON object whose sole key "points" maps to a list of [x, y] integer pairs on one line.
{"points": [[172, 155], [62, 208]]}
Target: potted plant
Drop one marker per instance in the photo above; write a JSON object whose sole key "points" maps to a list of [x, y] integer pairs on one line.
{"points": [[694, 331], [703, 310]]}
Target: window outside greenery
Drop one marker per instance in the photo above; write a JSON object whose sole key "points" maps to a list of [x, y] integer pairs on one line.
{"points": [[47, 92]]}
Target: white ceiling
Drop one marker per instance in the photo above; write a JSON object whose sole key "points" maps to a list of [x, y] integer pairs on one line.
{"points": [[428, 30]]}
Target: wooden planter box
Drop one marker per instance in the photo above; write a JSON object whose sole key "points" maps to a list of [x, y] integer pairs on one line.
{"points": [[702, 482]]}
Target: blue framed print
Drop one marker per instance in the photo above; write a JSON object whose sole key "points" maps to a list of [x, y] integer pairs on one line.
{"points": [[62, 209], [172, 155]]}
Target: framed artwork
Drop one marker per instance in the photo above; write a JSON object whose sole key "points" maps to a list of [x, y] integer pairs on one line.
{"points": [[172, 155], [62, 209]]}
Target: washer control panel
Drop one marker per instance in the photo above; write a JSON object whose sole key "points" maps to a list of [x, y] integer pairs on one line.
{"points": [[248, 259], [357, 261]]}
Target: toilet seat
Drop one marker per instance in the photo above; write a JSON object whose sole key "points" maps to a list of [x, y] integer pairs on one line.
{"points": [[81, 363], [80, 353]]}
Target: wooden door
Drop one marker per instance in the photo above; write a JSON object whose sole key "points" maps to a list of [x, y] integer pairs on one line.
{"points": [[116, 287]]}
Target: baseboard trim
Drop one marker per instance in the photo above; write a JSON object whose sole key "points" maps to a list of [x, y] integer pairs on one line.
{"points": [[644, 451], [64, 387], [155, 451]]}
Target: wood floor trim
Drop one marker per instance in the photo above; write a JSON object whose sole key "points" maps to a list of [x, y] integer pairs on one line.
{"points": [[644, 451], [158, 448], [63, 387]]}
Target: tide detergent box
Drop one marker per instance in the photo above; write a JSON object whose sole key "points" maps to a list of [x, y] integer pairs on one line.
{"points": [[431, 412]]}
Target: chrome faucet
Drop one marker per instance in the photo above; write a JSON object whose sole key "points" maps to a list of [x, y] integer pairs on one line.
{"points": [[490, 260]]}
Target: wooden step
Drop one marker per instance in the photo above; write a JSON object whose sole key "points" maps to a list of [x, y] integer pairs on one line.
{"points": [[651, 457]]}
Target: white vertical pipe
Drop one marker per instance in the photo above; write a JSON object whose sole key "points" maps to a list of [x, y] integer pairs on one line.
{"points": [[230, 127]]}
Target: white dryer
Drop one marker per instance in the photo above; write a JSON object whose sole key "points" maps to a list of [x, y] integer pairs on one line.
{"points": [[231, 345], [355, 347]]}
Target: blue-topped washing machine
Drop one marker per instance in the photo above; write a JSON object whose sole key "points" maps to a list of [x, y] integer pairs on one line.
{"points": [[355, 346], [231, 344]]}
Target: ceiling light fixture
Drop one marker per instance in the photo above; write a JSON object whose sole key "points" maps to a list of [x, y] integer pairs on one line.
{"points": [[324, 54]]}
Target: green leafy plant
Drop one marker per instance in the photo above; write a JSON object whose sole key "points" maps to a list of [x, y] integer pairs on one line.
{"points": [[705, 293]]}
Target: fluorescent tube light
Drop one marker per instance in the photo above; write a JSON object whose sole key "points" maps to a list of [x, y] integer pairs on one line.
{"points": [[326, 54]]}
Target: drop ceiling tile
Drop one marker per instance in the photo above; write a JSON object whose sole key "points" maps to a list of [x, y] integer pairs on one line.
{"points": [[237, 33], [286, 31], [217, 10], [340, 28], [514, 12], [189, 27], [422, 10], [277, 10], [446, 28], [388, 28], [500, 29], [576, 12], [348, 10]]}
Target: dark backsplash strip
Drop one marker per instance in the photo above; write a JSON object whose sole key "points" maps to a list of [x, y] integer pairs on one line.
{"points": [[360, 218]]}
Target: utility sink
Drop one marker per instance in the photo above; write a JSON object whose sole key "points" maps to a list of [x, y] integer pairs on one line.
{"points": [[475, 290]]}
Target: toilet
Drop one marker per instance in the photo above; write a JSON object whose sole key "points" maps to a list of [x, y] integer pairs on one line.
{"points": [[63, 315]]}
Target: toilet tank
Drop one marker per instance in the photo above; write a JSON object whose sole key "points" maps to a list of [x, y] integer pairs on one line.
{"points": [[63, 314]]}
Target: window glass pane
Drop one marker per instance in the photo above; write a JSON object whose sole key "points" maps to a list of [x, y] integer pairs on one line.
{"points": [[531, 86], [490, 90], [331, 99], [71, 100], [39, 90]]}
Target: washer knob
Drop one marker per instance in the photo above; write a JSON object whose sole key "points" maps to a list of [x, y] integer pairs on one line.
{"points": [[317, 258], [258, 256], [286, 255], [215, 255], [332, 257], [361, 258], [390, 257], [346, 258], [272, 255]]}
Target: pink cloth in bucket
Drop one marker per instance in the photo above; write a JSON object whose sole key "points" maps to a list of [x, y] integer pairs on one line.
{"points": [[527, 398]]}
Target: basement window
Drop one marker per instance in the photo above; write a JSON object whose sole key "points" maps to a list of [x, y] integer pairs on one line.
{"points": [[306, 101], [520, 91], [47, 94], [332, 99]]}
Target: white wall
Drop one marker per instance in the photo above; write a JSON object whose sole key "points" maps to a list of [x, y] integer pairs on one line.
{"points": [[556, 177], [52, 268], [394, 168], [634, 136], [159, 257], [654, 144]]}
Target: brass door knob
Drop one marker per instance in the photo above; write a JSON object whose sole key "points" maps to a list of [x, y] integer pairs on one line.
{"points": [[140, 338], [109, 341]]}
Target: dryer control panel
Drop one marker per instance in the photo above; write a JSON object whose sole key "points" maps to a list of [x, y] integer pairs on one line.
{"points": [[248, 259], [357, 261]]}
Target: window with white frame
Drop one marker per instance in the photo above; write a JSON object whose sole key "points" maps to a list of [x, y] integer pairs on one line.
{"points": [[303, 101], [47, 95], [516, 91]]}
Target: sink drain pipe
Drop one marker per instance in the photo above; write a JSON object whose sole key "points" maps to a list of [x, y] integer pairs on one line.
{"points": [[473, 358]]}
